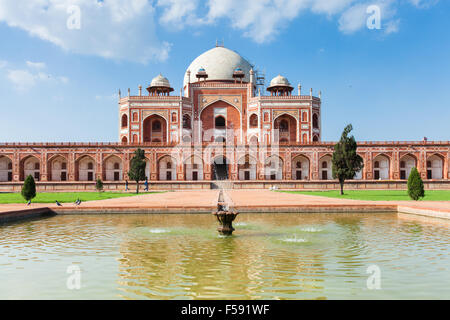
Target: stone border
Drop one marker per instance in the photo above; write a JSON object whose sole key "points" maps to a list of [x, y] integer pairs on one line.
{"points": [[434, 213], [18, 215]]}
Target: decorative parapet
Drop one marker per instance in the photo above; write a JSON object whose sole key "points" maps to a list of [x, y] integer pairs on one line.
{"points": [[160, 144], [153, 99]]}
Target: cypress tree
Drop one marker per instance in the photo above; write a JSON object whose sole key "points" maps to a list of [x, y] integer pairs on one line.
{"points": [[346, 162], [415, 185], [137, 168], [99, 185], [29, 188]]}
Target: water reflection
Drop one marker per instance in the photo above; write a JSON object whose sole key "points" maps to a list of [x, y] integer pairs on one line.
{"points": [[270, 256]]}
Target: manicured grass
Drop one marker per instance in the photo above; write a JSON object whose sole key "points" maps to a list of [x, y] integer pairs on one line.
{"points": [[377, 195], [65, 197]]}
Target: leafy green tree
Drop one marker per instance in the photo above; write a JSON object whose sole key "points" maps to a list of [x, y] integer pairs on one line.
{"points": [[346, 162], [99, 185], [137, 167], [29, 188], [415, 185]]}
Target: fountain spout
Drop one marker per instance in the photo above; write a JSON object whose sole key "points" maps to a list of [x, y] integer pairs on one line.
{"points": [[225, 216]]}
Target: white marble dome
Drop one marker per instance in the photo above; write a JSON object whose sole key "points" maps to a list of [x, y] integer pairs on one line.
{"points": [[220, 64], [160, 81], [279, 81]]}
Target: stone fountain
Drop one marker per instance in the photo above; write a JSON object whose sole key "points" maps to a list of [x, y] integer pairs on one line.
{"points": [[225, 216]]}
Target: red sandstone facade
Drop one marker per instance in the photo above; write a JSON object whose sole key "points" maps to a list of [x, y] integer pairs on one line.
{"points": [[221, 128]]}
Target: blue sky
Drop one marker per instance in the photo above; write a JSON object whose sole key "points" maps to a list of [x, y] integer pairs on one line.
{"points": [[59, 84]]}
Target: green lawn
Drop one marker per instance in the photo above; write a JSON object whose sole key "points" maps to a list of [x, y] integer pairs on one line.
{"points": [[377, 195], [66, 197]]}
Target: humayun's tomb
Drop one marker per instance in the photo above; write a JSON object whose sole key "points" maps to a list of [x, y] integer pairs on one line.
{"points": [[224, 125]]}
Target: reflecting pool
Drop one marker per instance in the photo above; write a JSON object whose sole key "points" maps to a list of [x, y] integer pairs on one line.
{"points": [[269, 256]]}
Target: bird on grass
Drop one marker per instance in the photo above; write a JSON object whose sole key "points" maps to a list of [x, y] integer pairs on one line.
{"points": [[58, 204]]}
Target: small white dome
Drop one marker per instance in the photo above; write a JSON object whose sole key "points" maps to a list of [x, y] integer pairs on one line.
{"points": [[280, 81], [160, 81], [219, 63]]}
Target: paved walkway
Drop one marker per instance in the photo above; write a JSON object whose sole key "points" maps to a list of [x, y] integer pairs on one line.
{"points": [[244, 201], [180, 200]]}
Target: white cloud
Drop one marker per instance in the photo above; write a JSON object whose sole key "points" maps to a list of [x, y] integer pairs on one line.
{"points": [[178, 13], [36, 65], [423, 3], [392, 26], [3, 64], [127, 29], [24, 79], [330, 7], [355, 18], [21, 79], [116, 29], [263, 20]]}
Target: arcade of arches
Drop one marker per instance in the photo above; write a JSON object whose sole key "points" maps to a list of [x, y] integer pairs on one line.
{"points": [[305, 166]]}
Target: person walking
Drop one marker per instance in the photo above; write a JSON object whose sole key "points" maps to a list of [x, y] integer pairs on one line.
{"points": [[146, 185], [126, 185]]}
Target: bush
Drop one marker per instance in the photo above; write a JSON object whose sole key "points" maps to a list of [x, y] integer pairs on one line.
{"points": [[29, 188], [415, 185], [99, 185]]}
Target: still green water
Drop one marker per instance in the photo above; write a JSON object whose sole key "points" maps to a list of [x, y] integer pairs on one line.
{"points": [[270, 256]]}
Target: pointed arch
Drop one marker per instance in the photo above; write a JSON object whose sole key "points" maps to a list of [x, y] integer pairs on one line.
{"points": [[253, 121], [167, 168], [193, 168], [30, 165], [124, 121], [220, 167], [315, 121], [435, 166], [57, 168], [381, 166], [273, 168], [6, 168], [300, 167], [155, 128], [187, 122], [325, 167], [230, 129], [247, 167], [112, 168], [85, 168], [406, 163], [286, 127]]}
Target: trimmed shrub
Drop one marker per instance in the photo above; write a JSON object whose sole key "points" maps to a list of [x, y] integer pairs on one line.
{"points": [[415, 185], [29, 188]]}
